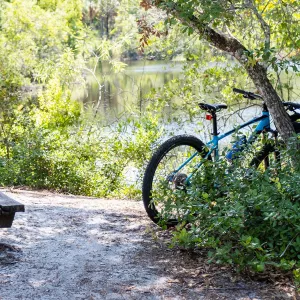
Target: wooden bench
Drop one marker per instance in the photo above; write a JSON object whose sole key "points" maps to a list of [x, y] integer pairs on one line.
{"points": [[8, 208]]}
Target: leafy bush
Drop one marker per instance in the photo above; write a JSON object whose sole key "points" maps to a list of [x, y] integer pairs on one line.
{"points": [[54, 146], [243, 216]]}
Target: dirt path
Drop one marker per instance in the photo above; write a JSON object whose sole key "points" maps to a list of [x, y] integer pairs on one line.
{"points": [[69, 247]]}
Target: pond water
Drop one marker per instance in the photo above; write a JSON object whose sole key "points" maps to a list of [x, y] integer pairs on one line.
{"points": [[125, 91]]}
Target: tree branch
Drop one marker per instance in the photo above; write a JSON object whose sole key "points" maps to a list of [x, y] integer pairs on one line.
{"points": [[219, 40]]}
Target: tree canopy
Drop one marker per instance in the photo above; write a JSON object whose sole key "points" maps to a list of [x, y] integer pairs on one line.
{"points": [[263, 36]]}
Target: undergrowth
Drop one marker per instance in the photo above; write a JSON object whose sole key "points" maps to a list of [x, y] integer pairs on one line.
{"points": [[53, 144], [246, 217]]}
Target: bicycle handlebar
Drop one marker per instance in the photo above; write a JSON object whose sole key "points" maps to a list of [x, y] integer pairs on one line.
{"points": [[248, 95]]}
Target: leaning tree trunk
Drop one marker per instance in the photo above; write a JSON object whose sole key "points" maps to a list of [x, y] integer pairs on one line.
{"points": [[281, 119]]}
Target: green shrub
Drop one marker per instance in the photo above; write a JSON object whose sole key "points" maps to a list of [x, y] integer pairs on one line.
{"points": [[71, 154], [245, 217]]}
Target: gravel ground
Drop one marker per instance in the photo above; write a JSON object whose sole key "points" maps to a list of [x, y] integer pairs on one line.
{"points": [[71, 247]]}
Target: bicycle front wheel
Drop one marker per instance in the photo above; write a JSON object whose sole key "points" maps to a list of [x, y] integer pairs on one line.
{"points": [[167, 174]]}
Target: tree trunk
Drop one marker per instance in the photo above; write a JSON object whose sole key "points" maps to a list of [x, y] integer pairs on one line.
{"points": [[281, 119], [107, 25]]}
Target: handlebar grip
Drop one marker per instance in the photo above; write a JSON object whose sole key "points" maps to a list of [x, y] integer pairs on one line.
{"points": [[240, 91], [248, 95]]}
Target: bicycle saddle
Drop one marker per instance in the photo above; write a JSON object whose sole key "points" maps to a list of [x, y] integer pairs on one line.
{"points": [[212, 108]]}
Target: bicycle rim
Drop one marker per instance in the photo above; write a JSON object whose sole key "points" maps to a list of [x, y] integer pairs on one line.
{"points": [[168, 188]]}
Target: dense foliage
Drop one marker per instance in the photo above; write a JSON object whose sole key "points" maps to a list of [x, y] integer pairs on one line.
{"points": [[47, 139], [242, 216]]}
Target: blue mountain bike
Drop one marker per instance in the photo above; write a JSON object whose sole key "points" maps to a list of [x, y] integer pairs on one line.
{"points": [[177, 161]]}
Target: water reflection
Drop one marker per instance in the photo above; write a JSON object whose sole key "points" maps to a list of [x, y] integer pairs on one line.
{"points": [[119, 92]]}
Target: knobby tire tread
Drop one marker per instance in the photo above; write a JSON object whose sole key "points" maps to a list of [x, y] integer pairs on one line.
{"points": [[265, 152], [167, 146]]}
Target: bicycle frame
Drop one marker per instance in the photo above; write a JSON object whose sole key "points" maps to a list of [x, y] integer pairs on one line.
{"points": [[264, 124], [213, 145]]}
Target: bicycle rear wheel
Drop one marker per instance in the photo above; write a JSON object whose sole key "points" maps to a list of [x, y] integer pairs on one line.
{"points": [[162, 179], [270, 152], [263, 158]]}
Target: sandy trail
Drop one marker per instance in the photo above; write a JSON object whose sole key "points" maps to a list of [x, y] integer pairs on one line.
{"points": [[70, 247]]}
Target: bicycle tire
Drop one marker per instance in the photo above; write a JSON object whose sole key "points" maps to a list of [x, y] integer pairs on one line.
{"points": [[268, 149], [153, 168], [263, 156]]}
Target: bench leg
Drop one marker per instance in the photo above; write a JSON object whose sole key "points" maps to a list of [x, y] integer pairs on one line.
{"points": [[6, 220]]}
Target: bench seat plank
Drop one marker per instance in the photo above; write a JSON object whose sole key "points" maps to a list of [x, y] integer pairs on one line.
{"points": [[9, 205], [8, 208]]}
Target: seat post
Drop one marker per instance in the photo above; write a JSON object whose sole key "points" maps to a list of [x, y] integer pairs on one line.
{"points": [[215, 134], [215, 126]]}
